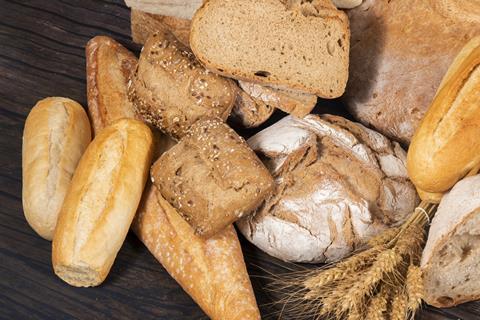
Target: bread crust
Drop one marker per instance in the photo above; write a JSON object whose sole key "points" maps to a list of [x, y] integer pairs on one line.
{"points": [[56, 134], [211, 271], [450, 127], [250, 112], [101, 203]]}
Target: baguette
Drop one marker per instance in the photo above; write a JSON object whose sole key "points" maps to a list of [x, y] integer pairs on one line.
{"points": [[290, 44], [109, 67], [101, 203], [446, 146], [211, 271], [56, 134]]}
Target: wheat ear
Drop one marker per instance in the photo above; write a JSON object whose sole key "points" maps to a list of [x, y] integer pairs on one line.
{"points": [[414, 285]]}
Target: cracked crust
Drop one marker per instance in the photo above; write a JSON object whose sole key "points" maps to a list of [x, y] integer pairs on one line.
{"points": [[337, 184], [212, 177]]}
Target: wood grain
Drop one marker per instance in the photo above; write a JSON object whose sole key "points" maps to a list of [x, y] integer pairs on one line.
{"points": [[42, 54]]}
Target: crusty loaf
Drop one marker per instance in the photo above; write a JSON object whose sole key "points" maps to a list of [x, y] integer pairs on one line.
{"points": [[212, 177], [211, 271], [56, 134], [400, 51], [109, 68], [337, 184], [144, 24], [171, 90], [101, 202], [296, 103], [183, 9], [250, 112], [451, 258], [446, 145], [291, 44]]}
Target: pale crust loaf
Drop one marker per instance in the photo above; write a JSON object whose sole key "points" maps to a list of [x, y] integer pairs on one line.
{"points": [[101, 202], [211, 271], [56, 134]]}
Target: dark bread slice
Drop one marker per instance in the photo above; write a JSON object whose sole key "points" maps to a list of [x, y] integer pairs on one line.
{"points": [[290, 44], [451, 258]]}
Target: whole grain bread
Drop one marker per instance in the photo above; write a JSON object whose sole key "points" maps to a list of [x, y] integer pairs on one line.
{"points": [[212, 177], [171, 90], [400, 51], [451, 258], [290, 44], [250, 112], [183, 9], [337, 184]]}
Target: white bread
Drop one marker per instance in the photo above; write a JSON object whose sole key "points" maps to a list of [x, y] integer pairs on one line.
{"points": [[101, 203], [451, 258], [56, 134], [400, 51], [211, 271], [290, 44], [183, 9], [109, 68], [446, 145], [337, 184]]}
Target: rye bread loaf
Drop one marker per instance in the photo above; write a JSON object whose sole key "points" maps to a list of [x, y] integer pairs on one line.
{"points": [[290, 44], [337, 184], [183, 9], [250, 112], [451, 258], [171, 90], [400, 51], [211, 177]]}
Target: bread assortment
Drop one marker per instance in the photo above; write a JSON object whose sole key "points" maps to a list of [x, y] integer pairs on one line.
{"points": [[188, 91], [337, 185], [56, 134], [101, 202], [212, 177], [309, 188], [450, 127], [400, 51], [451, 258]]}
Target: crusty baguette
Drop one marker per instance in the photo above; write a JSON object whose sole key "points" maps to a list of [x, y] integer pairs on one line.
{"points": [[211, 271], [250, 112], [171, 89], [101, 202], [144, 24], [109, 67], [183, 9], [451, 258], [291, 44], [56, 134], [446, 146], [296, 103]]}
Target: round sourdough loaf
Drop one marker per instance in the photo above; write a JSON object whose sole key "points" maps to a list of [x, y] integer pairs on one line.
{"points": [[337, 184]]}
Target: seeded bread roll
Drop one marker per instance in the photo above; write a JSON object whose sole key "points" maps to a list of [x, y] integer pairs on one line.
{"points": [[451, 258], [56, 134], [212, 177], [291, 44], [171, 90], [101, 203], [337, 184]]}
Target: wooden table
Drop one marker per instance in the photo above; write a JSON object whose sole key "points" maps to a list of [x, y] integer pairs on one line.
{"points": [[42, 54]]}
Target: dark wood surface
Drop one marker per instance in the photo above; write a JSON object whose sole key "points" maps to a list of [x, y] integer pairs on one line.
{"points": [[42, 54]]}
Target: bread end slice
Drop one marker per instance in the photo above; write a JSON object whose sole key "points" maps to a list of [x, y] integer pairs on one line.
{"points": [[303, 47]]}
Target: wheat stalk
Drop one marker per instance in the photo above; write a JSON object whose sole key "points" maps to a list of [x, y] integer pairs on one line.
{"points": [[378, 305], [414, 286], [399, 306]]}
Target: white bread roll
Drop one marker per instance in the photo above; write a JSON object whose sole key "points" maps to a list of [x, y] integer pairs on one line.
{"points": [[56, 134], [451, 258], [101, 202]]}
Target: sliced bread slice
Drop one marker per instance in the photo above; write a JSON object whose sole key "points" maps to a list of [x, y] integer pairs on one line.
{"points": [[451, 258], [302, 45], [183, 9]]}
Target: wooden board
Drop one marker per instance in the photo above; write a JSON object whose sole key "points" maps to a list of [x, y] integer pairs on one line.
{"points": [[42, 54]]}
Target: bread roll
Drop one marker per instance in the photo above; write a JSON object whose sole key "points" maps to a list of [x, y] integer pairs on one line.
{"points": [[451, 258], [101, 203], [56, 134], [400, 51], [212, 177], [446, 146], [250, 112], [337, 184], [109, 67]]}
